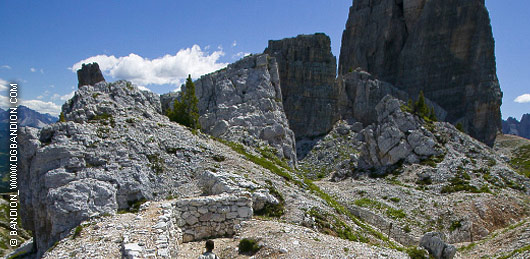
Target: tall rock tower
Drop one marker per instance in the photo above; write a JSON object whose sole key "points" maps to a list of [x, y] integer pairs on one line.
{"points": [[443, 47], [307, 74]]}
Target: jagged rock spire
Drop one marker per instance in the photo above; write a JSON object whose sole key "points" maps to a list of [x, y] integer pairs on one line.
{"points": [[89, 74]]}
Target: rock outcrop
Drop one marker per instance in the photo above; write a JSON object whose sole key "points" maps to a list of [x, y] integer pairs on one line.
{"points": [[433, 242], [115, 149], [519, 128], [444, 48], [398, 137], [307, 75], [361, 92], [243, 103], [89, 74], [104, 158]]}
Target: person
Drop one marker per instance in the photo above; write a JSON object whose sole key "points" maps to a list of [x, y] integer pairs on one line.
{"points": [[209, 251]]}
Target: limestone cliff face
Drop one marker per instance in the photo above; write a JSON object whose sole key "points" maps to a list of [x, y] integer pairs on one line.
{"points": [[243, 103], [361, 92], [307, 75], [444, 48]]}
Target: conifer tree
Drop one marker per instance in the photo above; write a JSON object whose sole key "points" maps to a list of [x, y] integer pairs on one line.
{"points": [[432, 115], [185, 110], [421, 107]]}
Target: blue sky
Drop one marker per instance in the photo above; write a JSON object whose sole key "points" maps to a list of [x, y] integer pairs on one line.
{"points": [[157, 43]]}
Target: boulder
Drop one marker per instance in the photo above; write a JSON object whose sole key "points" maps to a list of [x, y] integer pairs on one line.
{"points": [[433, 242]]}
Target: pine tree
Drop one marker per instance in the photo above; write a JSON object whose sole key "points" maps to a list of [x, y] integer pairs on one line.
{"points": [[185, 110], [61, 117], [421, 107], [432, 115]]}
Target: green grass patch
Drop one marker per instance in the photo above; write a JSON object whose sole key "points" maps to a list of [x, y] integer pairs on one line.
{"points": [[389, 211], [270, 154], [521, 160], [433, 161], [395, 213], [308, 184], [263, 162], [332, 225], [460, 182], [77, 231], [416, 253]]}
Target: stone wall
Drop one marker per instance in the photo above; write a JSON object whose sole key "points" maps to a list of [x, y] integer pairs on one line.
{"points": [[212, 216]]}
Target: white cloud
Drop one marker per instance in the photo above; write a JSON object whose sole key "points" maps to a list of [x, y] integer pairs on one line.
{"points": [[234, 44], [5, 67], [32, 69], [42, 107], [169, 69], [3, 84], [63, 98], [42, 71], [525, 98], [143, 88], [240, 55]]}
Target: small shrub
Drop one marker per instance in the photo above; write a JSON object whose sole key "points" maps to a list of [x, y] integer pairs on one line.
{"points": [[248, 246], [273, 210], [406, 228], [157, 163], [395, 199], [134, 206], [416, 253], [433, 161], [77, 231], [460, 127], [61, 117], [218, 158], [455, 225], [101, 117]]}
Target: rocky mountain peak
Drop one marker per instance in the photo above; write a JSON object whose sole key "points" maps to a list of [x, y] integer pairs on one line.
{"points": [[514, 127], [444, 48], [243, 103], [307, 75], [89, 74]]}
